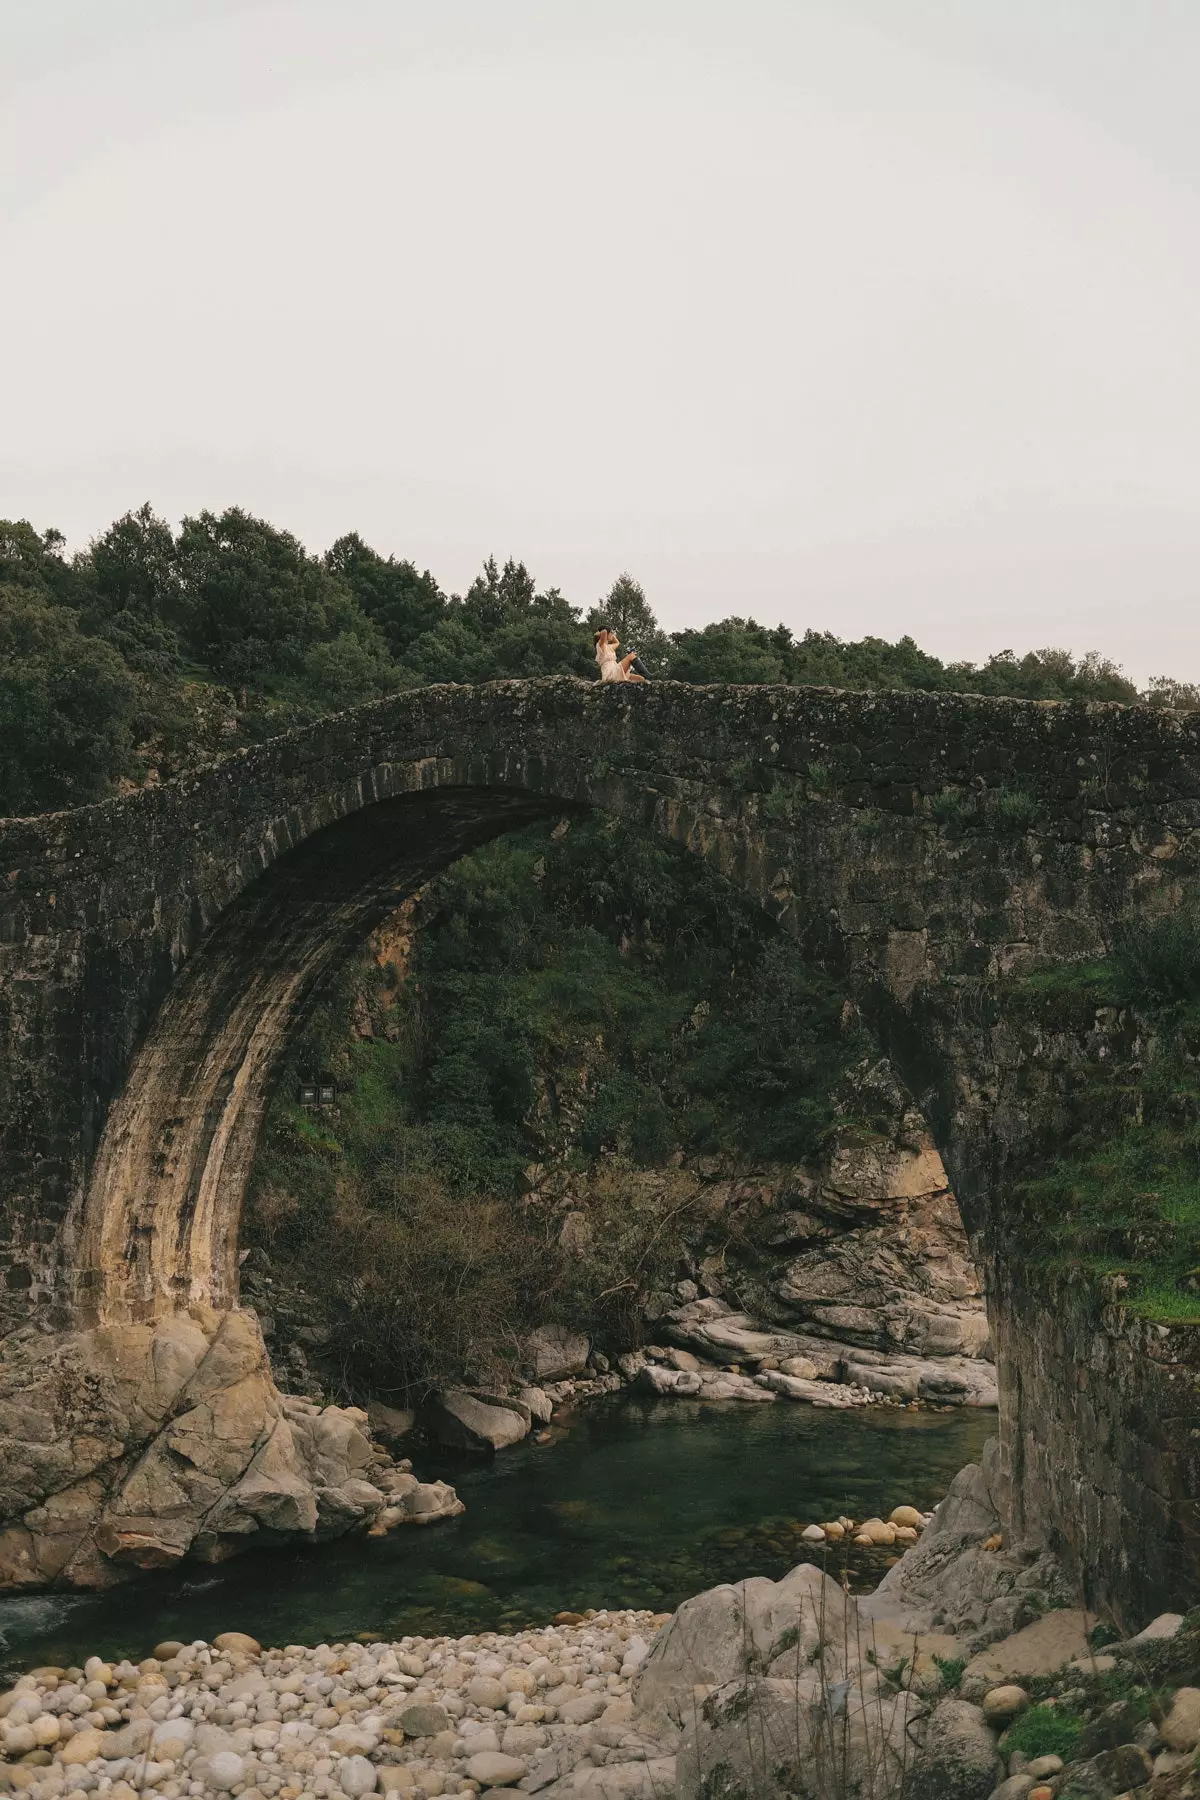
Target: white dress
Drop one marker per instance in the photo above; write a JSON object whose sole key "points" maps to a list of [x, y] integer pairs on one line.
{"points": [[610, 664]]}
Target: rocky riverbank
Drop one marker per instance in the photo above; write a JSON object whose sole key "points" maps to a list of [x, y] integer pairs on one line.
{"points": [[963, 1676], [840, 1284], [711, 1352]]}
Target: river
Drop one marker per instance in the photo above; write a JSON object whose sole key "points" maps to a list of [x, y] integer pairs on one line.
{"points": [[631, 1504]]}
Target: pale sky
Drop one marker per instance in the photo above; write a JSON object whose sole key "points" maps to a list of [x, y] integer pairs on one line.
{"points": [[871, 315]]}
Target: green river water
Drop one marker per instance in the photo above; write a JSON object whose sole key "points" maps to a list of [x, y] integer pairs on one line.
{"points": [[630, 1504]]}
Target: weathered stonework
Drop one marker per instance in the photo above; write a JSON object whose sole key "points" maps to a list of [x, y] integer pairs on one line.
{"points": [[155, 952]]}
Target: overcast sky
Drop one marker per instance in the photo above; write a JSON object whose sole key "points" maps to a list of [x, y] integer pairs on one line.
{"points": [[874, 315]]}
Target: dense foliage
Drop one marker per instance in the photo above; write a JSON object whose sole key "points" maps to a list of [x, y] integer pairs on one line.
{"points": [[154, 649], [563, 1011]]}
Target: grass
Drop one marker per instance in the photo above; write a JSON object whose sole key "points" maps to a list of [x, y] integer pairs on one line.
{"points": [[951, 1670], [1044, 1730], [997, 809], [1121, 1198]]}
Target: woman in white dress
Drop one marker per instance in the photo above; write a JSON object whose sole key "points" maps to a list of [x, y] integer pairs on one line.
{"points": [[613, 667]]}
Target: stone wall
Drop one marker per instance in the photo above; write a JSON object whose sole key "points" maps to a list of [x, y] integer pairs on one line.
{"points": [[1101, 1418]]}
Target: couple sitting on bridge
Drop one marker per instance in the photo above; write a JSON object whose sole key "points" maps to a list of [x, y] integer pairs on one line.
{"points": [[612, 667]]}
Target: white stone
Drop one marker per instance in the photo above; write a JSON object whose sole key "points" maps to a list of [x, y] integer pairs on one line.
{"points": [[356, 1776], [225, 1770], [1165, 1626], [491, 1768], [1002, 1704], [1181, 1727]]}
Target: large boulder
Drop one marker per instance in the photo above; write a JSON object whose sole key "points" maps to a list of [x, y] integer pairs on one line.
{"points": [[554, 1353], [723, 1635], [128, 1447], [1039, 1649], [775, 1739], [464, 1422], [958, 1759]]}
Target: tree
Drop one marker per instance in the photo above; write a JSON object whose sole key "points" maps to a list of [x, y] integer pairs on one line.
{"points": [[734, 650], [402, 602], [257, 602], [498, 597], [134, 568], [67, 708], [35, 560]]}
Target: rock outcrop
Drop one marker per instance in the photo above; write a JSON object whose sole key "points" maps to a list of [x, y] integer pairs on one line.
{"points": [[130, 1446]]}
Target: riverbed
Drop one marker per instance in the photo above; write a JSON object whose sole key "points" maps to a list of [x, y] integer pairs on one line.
{"points": [[631, 1504]]}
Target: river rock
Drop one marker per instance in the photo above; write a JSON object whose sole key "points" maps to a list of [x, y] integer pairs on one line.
{"points": [[554, 1353], [1015, 1788], [1042, 1648], [487, 1690], [82, 1747], [423, 1718], [491, 1768], [463, 1422], [225, 1769], [905, 1515], [1111, 1773], [390, 1424], [356, 1776], [1166, 1625], [958, 1758], [583, 1710], [1181, 1727], [538, 1401], [1002, 1704]]}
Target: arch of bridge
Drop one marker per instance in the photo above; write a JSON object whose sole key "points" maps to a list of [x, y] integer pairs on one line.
{"points": [[160, 946]]}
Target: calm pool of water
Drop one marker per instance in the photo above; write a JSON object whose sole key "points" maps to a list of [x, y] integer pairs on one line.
{"points": [[631, 1504]]}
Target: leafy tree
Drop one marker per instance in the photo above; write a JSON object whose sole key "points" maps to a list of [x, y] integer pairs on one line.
{"points": [[32, 560], [256, 602], [67, 708], [498, 597], [402, 602], [133, 568], [734, 650]]}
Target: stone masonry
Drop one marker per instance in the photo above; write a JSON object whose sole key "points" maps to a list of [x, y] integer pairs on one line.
{"points": [[156, 950]]}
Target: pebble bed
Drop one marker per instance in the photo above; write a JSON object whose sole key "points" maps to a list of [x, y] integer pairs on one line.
{"points": [[426, 1716], [422, 1716]]}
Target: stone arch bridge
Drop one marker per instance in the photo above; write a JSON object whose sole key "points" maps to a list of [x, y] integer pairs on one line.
{"points": [[155, 951]]}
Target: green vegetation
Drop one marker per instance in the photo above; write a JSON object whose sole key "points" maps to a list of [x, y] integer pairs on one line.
{"points": [[565, 1012], [996, 809], [1122, 1196], [155, 649], [951, 1669], [1045, 1730]]}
